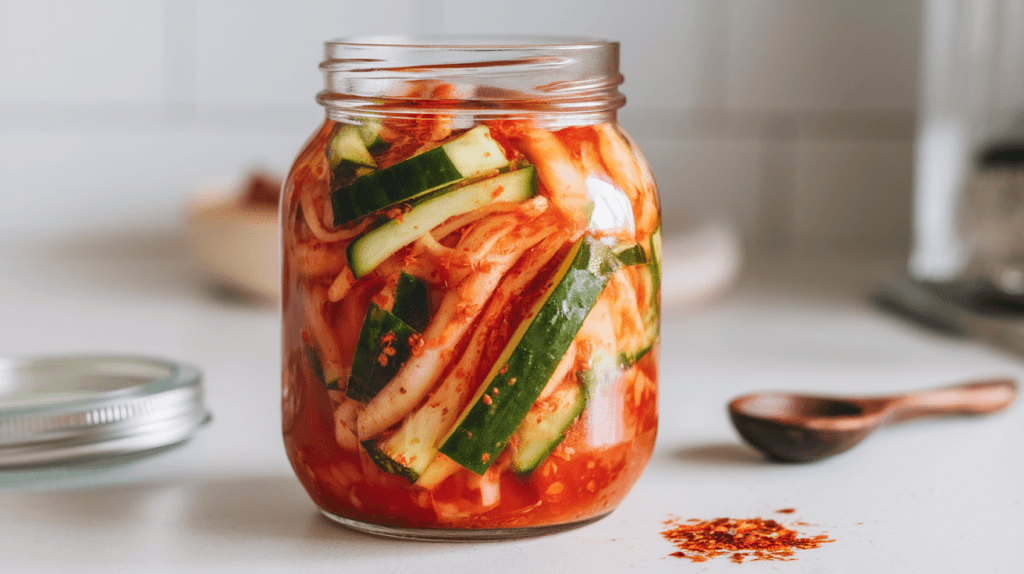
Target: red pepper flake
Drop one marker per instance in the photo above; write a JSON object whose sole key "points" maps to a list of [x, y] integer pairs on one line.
{"points": [[485, 457], [398, 212], [416, 344], [497, 192], [755, 538], [494, 391], [487, 400], [501, 372], [387, 350], [512, 381], [786, 511]]}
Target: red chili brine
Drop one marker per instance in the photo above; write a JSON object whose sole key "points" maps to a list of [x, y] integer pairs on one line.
{"points": [[470, 290]]}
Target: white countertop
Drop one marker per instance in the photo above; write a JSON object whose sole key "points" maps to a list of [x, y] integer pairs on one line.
{"points": [[927, 496]]}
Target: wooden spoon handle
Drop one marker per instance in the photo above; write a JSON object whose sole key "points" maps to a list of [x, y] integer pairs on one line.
{"points": [[980, 398]]}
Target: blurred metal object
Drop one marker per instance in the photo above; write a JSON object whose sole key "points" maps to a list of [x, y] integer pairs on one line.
{"points": [[992, 222], [972, 85], [59, 409], [967, 265], [958, 309]]}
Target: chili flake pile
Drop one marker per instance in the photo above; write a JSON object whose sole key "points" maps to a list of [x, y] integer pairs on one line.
{"points": [[756, 538]]}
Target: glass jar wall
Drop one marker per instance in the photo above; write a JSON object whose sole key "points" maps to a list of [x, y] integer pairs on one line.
{"points": [[471, 250]]}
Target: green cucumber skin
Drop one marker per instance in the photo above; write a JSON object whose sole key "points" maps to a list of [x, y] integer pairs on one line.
{"points": [[346, 145], [627, 360], [484, 429], [329, 380], [386, 464], [655, 263], [412, 302], [652, 266], [374, 246], [537, 440], [632, 255], [653, 317], [412, 446], [368, 375], [377, 146], [471, 154], [605, 367], [318, 369], [391, 185], [347, 170]]}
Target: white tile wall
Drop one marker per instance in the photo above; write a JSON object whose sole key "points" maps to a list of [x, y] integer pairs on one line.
{"points": [[661, 53], [827, 55], [66, 51], [65, 183], [748, 108], [267, 52], [852, 193], [703, 177]]}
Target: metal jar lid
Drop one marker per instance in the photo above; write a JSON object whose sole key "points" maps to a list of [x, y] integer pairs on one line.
{"points": [[58, 409]]}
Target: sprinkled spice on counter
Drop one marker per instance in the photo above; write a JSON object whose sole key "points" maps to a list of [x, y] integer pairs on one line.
{"points": [[743, 538]]}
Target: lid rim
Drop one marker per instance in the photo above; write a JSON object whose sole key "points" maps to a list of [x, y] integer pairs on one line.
{"points": [[181, 375], [163, 410]]}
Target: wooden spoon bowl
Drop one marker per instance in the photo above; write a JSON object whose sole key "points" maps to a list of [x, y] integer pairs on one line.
{"points": [[804, 428]]}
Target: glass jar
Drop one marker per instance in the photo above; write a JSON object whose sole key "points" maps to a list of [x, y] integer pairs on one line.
{"points": [[471, 252]]}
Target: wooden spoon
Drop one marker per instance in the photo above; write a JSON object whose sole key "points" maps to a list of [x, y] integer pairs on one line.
{"points": [[801, 428]]}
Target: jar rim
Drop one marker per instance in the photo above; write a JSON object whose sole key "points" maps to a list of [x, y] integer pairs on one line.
{"points": [[493, 76], [471, 42]]}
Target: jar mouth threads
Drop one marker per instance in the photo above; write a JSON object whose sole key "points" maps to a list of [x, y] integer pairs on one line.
{"points": [[496, 77]]}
